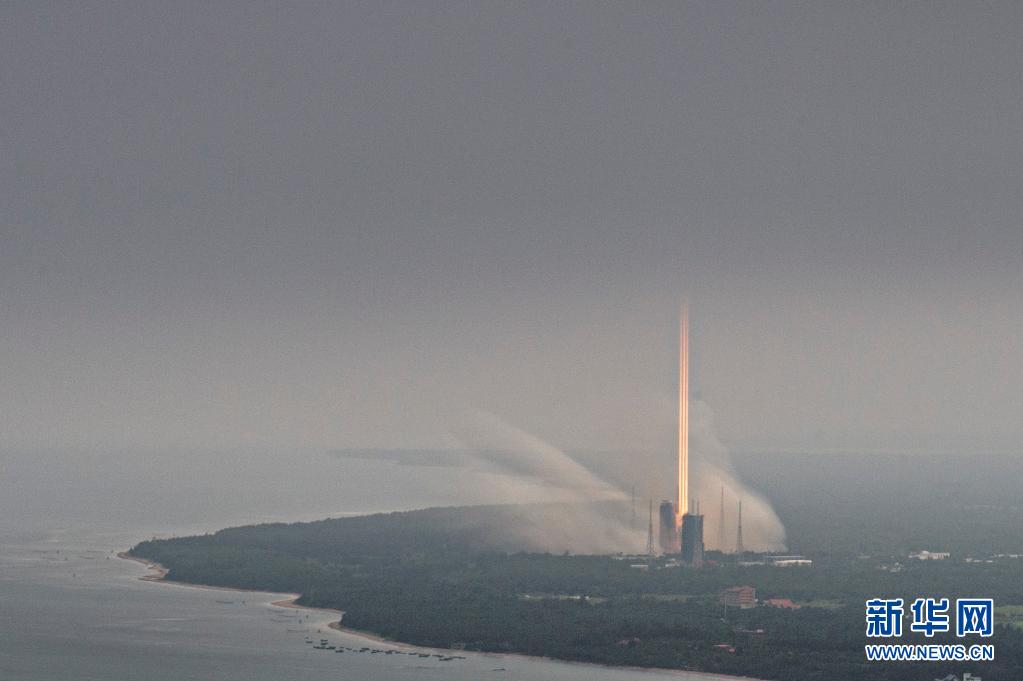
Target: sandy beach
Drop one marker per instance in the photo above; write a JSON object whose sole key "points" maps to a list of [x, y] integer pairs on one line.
{"points": [[158, 571], [159, 574], [289, 602]]}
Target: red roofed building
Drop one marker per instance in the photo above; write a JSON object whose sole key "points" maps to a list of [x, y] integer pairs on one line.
{"points": [[738, 597]]}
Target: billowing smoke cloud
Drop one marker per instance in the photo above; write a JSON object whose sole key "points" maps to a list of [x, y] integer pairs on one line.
{"points": [[580, 502], [523, 463], [712, 471], [513, 451]]}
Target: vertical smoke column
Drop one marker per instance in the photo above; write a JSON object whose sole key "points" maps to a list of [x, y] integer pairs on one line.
{"points": [[682, 505]]}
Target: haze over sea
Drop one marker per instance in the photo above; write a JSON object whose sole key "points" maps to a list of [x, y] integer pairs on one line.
{"points": [[69, 609]]}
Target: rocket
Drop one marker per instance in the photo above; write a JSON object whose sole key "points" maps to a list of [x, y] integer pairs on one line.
{"points": [[682, 502]]}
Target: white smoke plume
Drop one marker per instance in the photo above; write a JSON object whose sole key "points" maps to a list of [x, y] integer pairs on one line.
{"points": [[524, 462], [711, 471], [513, 451], [565, 505]]}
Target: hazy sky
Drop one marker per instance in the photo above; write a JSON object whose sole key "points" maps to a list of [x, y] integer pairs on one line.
{"points": [[348, 225]]}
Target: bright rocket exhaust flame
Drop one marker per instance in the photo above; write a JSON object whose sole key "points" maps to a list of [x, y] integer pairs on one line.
{"points": [[682, 501]]}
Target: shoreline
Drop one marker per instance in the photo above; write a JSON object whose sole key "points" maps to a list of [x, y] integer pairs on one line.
{"points": [[159, 574], [160, 570], [161, 577]]}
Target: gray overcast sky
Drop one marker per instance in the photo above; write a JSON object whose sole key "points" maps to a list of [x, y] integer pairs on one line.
{"points": [[346, 224]]}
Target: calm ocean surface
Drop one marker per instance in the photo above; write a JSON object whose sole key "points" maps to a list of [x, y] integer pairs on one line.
{"points": [[70, 609]]}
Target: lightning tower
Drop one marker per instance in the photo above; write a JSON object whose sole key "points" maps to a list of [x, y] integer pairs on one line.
{"points": [[738, 533], [721, 523], [650, 530]]}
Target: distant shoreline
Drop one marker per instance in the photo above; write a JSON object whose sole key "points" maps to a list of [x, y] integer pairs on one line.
{"points": [[159, 575]]}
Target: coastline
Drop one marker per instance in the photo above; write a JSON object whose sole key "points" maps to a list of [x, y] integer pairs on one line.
{"points": [[159, 573]]}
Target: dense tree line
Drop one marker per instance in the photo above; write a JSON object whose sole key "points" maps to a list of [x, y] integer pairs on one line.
{"points": [[440, 578]]}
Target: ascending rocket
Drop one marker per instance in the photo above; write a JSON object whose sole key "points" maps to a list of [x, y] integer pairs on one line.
{"points": [[682, 503]]}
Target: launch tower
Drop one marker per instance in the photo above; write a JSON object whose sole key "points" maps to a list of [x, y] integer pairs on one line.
{"points": [[692, 539], [668, 537]]}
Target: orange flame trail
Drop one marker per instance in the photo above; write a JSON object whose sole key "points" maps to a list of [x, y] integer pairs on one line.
{"points": [[682, 503]]}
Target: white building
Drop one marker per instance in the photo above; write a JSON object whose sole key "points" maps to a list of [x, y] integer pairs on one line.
{"points": [[929, 555]]}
